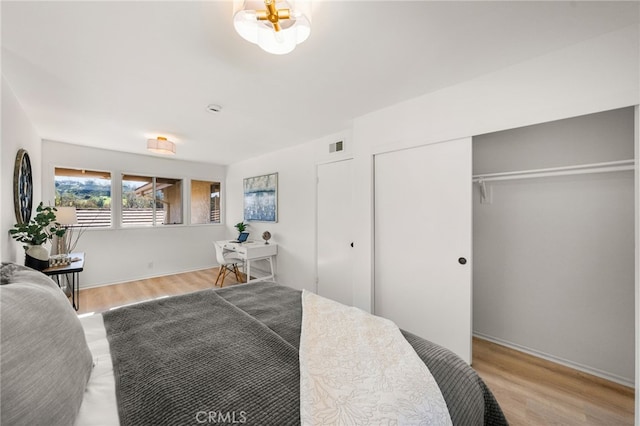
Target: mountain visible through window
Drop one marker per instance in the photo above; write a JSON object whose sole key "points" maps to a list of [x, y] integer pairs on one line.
{"points": [[89, 191]]}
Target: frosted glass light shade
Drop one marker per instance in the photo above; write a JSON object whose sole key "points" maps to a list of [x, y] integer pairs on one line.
{"points": [[66, 215], [161, 145], [294, 30]]}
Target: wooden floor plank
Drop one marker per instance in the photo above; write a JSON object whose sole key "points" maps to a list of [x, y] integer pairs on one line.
{"points": [[530, 390]]}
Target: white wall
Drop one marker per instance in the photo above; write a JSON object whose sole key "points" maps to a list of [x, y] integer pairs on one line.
{"points": [[553, 269], [117, 255], [596, 75], [295, 231], [17, 132]]}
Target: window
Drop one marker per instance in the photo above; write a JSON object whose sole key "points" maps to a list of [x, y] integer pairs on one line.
{"points": [[205, 202], [151, 201], [89, 191]]}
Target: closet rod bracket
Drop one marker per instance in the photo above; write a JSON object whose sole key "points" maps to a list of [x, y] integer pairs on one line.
{"points": [[485, 193]]}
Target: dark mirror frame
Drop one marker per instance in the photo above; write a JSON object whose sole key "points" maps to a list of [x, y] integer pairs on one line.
{"points": [[22, 187]]}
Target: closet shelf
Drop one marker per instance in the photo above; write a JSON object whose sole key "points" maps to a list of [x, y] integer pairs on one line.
{"points": [[609, 166]]}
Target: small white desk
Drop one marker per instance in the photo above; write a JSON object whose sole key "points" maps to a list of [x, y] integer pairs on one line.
{"points": [[253, 251]]}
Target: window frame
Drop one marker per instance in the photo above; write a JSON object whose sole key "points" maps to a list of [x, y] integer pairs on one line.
{"points": [[81, 171], [220, 183], [153, 177]]}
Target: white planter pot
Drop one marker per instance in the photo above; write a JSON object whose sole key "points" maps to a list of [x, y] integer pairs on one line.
{"points": [[37, 257]]}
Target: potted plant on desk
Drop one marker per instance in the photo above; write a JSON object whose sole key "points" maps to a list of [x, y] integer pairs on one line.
{"points": [[35, 233], [241, 227]]}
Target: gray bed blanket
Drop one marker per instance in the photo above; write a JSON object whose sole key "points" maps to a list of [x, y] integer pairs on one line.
{"points": [[231, 356]]}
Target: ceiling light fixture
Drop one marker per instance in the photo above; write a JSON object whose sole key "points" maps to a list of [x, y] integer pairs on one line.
{"points": [[278, 29], [161, 145]]}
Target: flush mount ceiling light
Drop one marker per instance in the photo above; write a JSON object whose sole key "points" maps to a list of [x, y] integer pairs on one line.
{"points": [[276, 29], [161, 145]]}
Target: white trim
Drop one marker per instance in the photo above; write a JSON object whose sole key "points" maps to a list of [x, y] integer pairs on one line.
{"points": [[576, 366], [333, 160]]}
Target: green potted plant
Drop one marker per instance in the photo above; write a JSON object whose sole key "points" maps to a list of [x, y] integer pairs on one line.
{"points": [[40, 229], [241, 227]]}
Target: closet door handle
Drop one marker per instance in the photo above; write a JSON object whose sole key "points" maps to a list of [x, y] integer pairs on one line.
{"points": [[462, 260]]}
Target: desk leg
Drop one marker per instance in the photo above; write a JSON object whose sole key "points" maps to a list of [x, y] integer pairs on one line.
{"points": [[273, 275], [268, 277]]}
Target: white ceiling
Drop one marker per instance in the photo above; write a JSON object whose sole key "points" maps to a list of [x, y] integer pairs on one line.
{"points": [[111, 74]]}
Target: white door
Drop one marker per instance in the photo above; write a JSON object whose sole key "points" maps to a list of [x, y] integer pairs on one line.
{"points": [[423, 242], [335, 237]]}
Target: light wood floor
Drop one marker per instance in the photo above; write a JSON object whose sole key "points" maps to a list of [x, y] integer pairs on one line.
{"points": [[99, 299], [530, 390], [534, 391]]}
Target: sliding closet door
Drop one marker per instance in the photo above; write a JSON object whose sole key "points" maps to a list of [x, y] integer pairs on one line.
{"points": [[423, 242]]}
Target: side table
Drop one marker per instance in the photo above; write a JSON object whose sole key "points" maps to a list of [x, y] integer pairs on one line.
{"points": [[70, 271]]}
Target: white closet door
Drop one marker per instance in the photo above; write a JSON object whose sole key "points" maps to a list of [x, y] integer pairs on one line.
{"points": [[423, 242], [334, 231]]}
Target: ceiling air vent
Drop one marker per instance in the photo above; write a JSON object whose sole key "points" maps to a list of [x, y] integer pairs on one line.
{"points": [[335, 147]]}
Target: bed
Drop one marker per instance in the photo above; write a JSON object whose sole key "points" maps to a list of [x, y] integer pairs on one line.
{"points": [[231, 355]]}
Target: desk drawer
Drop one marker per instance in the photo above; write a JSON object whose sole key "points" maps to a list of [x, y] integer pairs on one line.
{"points": [[260, 250], [242, 251], [252, 250]]}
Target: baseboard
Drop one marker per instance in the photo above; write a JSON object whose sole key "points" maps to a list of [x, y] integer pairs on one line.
{"points": [[567, 363]]}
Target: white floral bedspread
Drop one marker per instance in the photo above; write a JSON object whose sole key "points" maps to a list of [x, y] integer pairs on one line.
{"points": [[358, 369]]}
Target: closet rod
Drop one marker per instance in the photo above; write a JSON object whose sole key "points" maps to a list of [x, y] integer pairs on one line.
{"points": [[609, 166]]}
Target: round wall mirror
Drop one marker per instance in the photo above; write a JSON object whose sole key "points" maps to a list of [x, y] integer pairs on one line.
{"points": [[22, 187]]}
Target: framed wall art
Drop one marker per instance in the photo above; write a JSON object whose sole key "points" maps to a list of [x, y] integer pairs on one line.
{"points": [[261, 198]]}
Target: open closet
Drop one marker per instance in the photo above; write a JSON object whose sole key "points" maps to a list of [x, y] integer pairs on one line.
{"points": [[553, 241], [551, 270]]}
